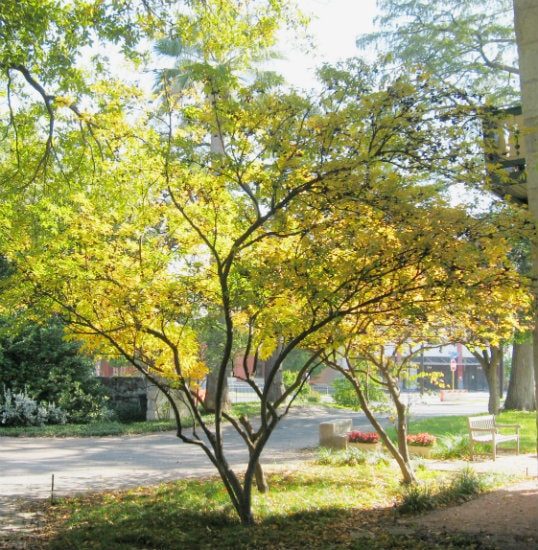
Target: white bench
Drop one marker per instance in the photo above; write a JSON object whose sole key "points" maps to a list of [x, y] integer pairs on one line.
{"points": [[334, 434], [484, 429]]}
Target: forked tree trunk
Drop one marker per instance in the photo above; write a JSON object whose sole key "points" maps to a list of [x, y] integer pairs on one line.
{"points": [[402, 459], [520, 395]]}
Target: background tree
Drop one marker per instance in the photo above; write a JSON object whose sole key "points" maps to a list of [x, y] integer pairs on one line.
{"points": [[467, 43], [473, 46], [446, 308]]}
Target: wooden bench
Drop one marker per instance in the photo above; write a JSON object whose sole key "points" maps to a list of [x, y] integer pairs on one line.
{"points": [[484, 429]]}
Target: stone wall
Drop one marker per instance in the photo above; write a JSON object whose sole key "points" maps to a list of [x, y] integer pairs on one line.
{"points": [[128, 396]]}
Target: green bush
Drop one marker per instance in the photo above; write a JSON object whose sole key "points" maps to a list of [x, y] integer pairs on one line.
{"points": [[344, 394], [18, 409], [467, 483], [421, 497], [452, 446], [36, 359], [417, 498], [128, 412], [349, 457], [313, 397], [289, 377]]}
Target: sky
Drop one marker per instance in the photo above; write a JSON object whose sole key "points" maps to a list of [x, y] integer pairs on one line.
{"points": [[335, 26]]}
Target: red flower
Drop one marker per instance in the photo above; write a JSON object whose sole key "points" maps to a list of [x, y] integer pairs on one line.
{"points": [[421, 440], [362, 437]]}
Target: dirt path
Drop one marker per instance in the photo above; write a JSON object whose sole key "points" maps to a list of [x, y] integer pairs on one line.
{"points": [[506, 518]]}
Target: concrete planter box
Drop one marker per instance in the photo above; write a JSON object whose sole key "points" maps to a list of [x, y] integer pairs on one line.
{"points": [[365, 446], [452, 395], [420, 450]]}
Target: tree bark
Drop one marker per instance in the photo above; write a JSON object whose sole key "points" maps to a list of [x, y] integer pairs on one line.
{"points": [[490, 361], [259, 476], [520, 395], [525, 21], [276, 389], [402, 459], [494, 401]]}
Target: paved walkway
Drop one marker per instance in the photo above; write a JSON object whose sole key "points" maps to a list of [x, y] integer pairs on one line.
{"points": [[100, 463], [96, 464]]}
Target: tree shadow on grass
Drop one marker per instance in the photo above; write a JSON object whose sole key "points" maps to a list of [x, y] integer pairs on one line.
{"points": [[326, 529]]}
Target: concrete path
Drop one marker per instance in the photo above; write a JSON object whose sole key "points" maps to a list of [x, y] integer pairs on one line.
{"points": [[94, 464]]}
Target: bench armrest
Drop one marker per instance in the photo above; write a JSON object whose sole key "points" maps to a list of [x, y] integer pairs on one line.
{"points": [[518, 426], [490, 430]]}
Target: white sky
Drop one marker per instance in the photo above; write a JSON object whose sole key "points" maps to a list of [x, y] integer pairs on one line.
{"points": [[335, 26]]}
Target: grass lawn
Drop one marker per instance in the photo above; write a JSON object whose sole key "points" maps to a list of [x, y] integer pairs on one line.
{"points": [[457, 425], [318, 507]]}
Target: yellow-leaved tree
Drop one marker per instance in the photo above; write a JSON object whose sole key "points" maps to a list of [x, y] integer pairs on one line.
{"points": [[314, 212]]}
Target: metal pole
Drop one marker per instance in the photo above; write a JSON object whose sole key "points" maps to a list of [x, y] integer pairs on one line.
{"points": [[501, 374], [422, 371]]}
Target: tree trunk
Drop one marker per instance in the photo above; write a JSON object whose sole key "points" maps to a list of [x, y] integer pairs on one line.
{"points": [[276, 389], [490, 361], [261, 482], [211, 390], [492, 378], [402, 460], [520, 395], [526, 19], [494, 401]]}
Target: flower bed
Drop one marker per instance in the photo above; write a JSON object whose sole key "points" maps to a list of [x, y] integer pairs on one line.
{"points": [[421, 444], [366, 441]]}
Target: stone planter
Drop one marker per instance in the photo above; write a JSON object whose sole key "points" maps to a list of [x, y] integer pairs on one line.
{"points": [[421, 450], [452, 395], [364, 446]]}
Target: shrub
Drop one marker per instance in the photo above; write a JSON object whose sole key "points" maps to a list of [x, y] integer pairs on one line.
{"points": [[19, 409], [128, 412], [420, 497], [452, 446], [37, 360], [468, 483], [362, 437], [289, 377], [349, 457], [417, 498], [421, 440], [345, 395], [84, 407], [313, 397]]}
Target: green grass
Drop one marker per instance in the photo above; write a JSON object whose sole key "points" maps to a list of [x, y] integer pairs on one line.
{"points": [[94, 429], [317, 507], [441, 426], [98, 429]]}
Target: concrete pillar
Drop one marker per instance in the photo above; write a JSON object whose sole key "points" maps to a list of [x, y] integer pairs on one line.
{"points": [[526, 25]]}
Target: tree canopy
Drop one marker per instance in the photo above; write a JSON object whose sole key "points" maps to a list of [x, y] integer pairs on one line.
{"points": [[318, 210], [471, 44]]}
